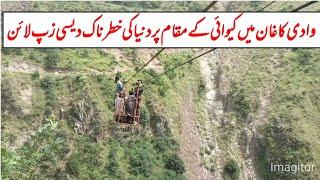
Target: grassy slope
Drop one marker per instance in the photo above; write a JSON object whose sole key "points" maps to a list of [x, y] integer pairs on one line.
{"points": [[287, 81], [53, 93]]}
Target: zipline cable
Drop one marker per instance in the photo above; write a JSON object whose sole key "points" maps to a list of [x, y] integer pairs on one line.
{"points": [[209, 6], [185, 62], [267, 6], [303, 6], [188, 61], [294, 10], [162, 49], [211, 50], [157, 54]]}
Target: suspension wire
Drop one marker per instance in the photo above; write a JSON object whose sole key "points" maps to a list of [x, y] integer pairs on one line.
{"points": [[303, 6], [209, 6], [181, 64], [211, 50], [157, 54], [187, 61], [162, 49], [192, 59], [296, 10], [267, 6]]}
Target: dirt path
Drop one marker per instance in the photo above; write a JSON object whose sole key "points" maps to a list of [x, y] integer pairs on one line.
{"points": [[22, 67], [214, 112], [191, 141], [216, 119]]}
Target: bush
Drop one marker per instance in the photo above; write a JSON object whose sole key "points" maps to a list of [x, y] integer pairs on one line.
{"points": [[36, 75], [142, 159], [52, 59], [113, 164], [164, 84], [81, 80], [33, 56], [163, 144], [240, 103], [73, 166], [48, 84], [232, 170], [9, 104], [17, 51], [176, 164], [140, 163], [304, 56], [118, 75], [145, 116], [169, 174], [201, 86], [151, 72], [6, 51], [85, 53], [38, 158], [102, 52]]}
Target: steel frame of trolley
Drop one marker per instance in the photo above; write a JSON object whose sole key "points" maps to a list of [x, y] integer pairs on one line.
{"points": [[135, 118]]}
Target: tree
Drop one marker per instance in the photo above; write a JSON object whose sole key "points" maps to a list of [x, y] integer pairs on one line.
{"points": [[142, 158], [232, 170], [52, 59], [113, 165], [176, 164], [73, 166], [145, 116]]}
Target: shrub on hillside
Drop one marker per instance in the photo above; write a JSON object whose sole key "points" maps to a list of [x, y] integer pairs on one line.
{"points": [[114, 161], [142, 159], [145, 116], [84, 53], [73, 166], [48, 85], [52, 59], [176, 164], [15, 51], [232, 170], [240, 102], [163, 144], [33, 56], [81, 80], [38, 158], [36, 75], [280, 145], [9, 103]]}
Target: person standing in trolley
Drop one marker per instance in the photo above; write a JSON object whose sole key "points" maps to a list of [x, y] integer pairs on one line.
{"points": [[119, 106], [119, 85], [119, 100]]}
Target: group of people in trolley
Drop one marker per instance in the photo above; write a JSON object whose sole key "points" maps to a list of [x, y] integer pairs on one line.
{"points": [[127, 106]]}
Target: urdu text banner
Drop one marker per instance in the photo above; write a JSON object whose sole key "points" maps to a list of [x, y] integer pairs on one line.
{"points": [[134, 29]]}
